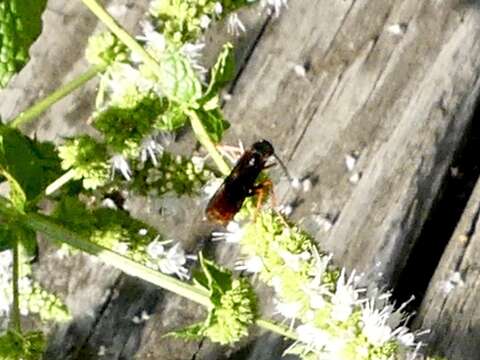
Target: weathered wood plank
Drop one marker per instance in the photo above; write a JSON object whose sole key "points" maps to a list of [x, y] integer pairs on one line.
{"points": [[402, 101], [450, 307]]}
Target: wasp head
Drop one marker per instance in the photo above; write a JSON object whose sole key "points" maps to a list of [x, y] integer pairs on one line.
{"points": [[264, 148]]}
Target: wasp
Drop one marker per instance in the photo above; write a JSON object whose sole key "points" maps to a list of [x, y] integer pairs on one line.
{"points": [[240, 183]]}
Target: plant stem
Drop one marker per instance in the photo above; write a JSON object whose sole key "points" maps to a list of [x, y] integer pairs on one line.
{"points": [[207, 143], [152, 63], [49, 227], [276, 328], [15, 319], [58, 183], [121, 34], [60, 93]]}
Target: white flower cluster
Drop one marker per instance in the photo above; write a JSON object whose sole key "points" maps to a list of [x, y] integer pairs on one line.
{"points": [[334, 319]]}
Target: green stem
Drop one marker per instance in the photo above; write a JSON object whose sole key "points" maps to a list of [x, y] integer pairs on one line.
{"points": [[152, 63], [53, 230], [276, 328], [57, 95], [207, 143], [121, 34], [15, 319]]}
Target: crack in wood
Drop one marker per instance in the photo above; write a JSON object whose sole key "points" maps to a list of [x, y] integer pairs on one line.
{"points": [[98, 318]]}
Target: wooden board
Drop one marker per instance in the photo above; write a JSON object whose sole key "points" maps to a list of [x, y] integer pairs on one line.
{"points": [[393, 82], [450, 307]]}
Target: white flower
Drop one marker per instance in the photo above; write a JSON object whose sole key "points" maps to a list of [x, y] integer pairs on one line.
{"points": [[154, 40], [157, 248], [173, 262], [294, 261], [218, 8], [275, 5], [169, 261], [120, 163], [235, 25], [252, 265], [193, 52], [346, 296], [382, 322], [314, 337], [149, 148], [205, 21], [233, 233], [288, 310], [121, 80]]}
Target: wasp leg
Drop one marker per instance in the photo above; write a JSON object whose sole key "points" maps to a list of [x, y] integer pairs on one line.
{"points": [[260, 190]]}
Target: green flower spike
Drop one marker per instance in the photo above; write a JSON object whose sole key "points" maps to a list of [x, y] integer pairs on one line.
{"points": [[87, 159], [47, 305], [104, 49], [234, 306], [170, 173], [236, 313], [125, 128]]}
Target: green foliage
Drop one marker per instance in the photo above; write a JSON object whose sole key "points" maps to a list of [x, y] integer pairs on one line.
{"points": [[234, 310], [104, 49], [27, 346], [29, 166], [20, 25], [87, 159], [214, 123], [171, 173], [180, 20], [6, 240], [113, 229], [223, 71], [177, 79], [124, 128], [183, 21]]}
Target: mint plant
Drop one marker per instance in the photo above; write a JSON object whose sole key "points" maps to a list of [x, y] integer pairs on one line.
{"points": [[150, 87]]}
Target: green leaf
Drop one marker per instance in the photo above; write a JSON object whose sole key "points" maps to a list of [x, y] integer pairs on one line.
{"points": [[20, 25], [214, 123], [213, 278], [28, 165], [223, 71], [178, 81]]}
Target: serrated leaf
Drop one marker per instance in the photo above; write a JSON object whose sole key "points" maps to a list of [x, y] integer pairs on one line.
{"points": [[213, 278], [20, 24], [28, 165], [214, 123], [177, 79], [223, 71]]}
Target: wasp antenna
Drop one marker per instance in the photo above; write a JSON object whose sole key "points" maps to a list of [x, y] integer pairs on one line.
{"points": [[284, 168]]}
